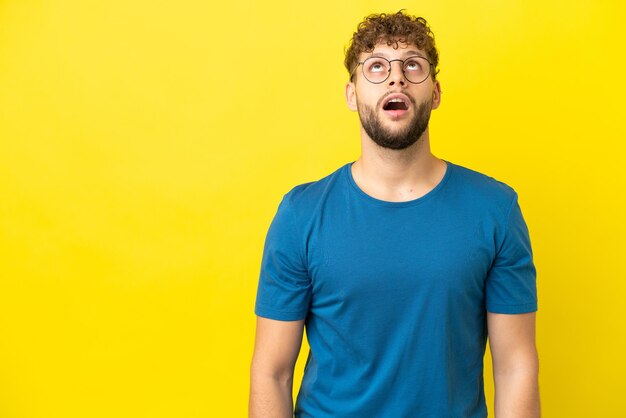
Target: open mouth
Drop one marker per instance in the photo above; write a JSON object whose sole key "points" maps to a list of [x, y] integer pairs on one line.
{"points": [[396, 104]]}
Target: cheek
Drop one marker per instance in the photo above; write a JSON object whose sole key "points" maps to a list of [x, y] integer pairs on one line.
{"points": [[369, 99]]}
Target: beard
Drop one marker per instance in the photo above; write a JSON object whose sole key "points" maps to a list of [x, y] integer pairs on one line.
{"points": [[398, 139]]}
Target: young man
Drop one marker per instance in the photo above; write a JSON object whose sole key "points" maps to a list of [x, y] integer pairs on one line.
{"points": [[400, 265]]}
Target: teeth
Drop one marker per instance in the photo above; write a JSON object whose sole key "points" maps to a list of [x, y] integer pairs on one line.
{"points": [[396, 100]]}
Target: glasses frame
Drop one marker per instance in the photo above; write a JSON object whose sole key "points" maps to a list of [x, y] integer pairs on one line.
{"points": [[430, 68]]}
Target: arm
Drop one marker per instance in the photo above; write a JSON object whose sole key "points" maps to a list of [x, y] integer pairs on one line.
{"points": [[515, 365], [276, 350]]}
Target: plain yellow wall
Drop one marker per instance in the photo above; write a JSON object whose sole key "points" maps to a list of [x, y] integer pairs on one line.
{"points": [[146, 145]]}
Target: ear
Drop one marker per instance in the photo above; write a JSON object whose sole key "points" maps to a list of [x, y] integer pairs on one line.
{"points": [[436, 95], [351, 96]]}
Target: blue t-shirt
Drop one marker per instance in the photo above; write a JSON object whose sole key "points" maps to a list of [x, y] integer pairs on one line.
{"points": [[395, 294]]}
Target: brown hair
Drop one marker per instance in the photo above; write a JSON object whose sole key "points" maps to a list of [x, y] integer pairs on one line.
{"points": [[392, 29]]}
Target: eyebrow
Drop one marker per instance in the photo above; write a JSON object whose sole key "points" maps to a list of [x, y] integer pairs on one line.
{"points": [[410, 52]]}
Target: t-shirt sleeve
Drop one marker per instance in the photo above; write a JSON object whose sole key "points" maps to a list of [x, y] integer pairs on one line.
{"points": [[284, 289], [511, 282]]}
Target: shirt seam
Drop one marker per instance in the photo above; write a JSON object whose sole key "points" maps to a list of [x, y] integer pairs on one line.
{"points": [[508, 221], [420, 200]]}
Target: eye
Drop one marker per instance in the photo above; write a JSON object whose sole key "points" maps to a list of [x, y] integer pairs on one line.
{"points": [[413, 65], [376, 66]]}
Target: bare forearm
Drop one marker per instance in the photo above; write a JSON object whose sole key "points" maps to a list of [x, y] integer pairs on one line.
{"points": [[270, 397], [517, 395]]}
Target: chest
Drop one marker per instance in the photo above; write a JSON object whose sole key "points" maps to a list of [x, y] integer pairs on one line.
{"points": [[399, 254]]}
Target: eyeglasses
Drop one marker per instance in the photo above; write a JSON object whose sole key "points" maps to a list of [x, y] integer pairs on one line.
{"points": [[376, 70]]}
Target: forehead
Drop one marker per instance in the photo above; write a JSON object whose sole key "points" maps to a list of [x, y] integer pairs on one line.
{"points": [[389, 51]]}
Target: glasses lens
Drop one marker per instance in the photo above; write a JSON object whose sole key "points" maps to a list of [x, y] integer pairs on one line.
{"points": [[416, 69], [376, 69]]}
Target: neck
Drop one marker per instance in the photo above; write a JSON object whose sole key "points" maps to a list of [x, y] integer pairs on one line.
{"points": [[397, 175]]}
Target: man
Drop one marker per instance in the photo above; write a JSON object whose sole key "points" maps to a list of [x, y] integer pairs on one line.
{"points": [[400, 265]]}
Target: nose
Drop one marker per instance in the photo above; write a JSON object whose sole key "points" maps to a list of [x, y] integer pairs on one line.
{"points": [[396, 75]]}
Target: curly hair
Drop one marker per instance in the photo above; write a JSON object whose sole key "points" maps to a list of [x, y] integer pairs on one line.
{"points": [[392, 29]]}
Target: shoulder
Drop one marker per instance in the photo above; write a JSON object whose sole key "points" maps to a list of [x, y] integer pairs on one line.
{"points": [[481, 188], [306, 197]]}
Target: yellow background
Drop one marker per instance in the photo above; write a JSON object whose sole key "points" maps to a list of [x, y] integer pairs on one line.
{"points": [[146, 145]]}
